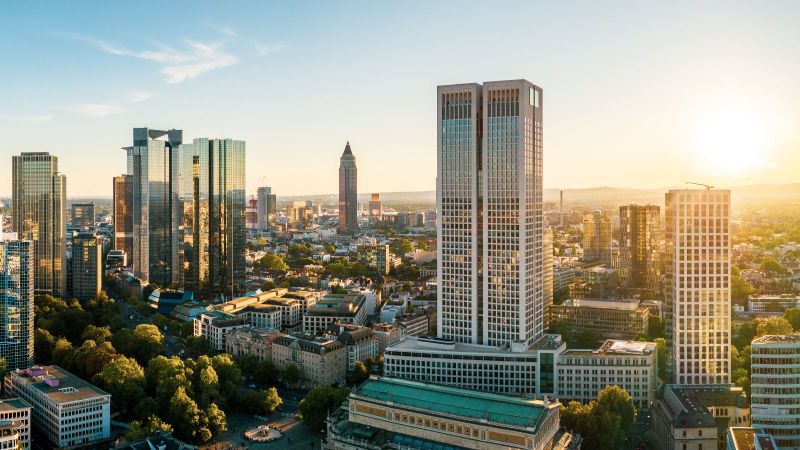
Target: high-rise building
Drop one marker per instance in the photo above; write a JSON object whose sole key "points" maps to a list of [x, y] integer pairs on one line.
{"points": [[597, 237], [87, 265], [153, 163], [547, 271], [123, 215], [775, 398], [300, 214], [16, 295], [698, 276], [375, 206], [489, 195], [83, 215], [266, 208], [39, 195], [348, 192], [251, 212], [213, 213], [640, 238]]}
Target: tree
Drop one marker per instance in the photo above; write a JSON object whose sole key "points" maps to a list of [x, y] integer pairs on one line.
{"points": [[661, 349], [261, 402], [319, 402], [96, 334], [151, 425], [215, 417], [772, 267], [360, 373], [62, 352], [773, 325], [616, 400], [185, 415], [198, 346], [740, 289], [147, 342], [291, 375], [655, 328], [230, 377], [123, 378], [43, 345], [792, 315], [602, 423]]}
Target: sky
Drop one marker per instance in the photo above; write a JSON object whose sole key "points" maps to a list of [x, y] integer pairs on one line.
{"points": [[636, 94]]}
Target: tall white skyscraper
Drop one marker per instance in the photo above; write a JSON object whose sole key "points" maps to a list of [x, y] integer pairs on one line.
{"points": [[698, 271], [489, 197]]}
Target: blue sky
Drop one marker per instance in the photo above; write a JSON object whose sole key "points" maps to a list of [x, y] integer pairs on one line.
{"points": [[636, 93]]}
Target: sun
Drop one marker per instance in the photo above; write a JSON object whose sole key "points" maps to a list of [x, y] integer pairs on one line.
{"points": [[733, 142]]}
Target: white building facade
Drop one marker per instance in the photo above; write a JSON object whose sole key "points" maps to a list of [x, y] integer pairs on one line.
{"points": [[775, 382], [698, 269], [489, 196]]}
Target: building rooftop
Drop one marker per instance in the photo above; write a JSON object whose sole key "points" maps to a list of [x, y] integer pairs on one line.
{"points": [[621, 305], [9, 404], [311, 344], [777, 339], [471, 405], [58, 384], [436, 345], [337, 305], [694, 401], [749, 438]]}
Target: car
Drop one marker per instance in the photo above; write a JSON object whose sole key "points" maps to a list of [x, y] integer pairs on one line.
{"points": [[251, 386]]}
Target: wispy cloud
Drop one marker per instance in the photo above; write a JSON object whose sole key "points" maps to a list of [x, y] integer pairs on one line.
{"points": [[33, 118], [139, 96], [95, 109], [177, 65], [260, 47]]}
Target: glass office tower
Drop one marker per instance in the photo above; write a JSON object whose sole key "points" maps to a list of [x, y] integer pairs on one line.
{"points": [[640, 238], [489, 196], [16, 298], [123, 215], [153, 162], [39, 198], [213, 214]]}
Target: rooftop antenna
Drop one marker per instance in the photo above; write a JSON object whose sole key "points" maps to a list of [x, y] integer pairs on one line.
{"points": [[707, 186]]}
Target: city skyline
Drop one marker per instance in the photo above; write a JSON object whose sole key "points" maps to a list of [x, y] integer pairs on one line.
{"points": [[672, 108]]}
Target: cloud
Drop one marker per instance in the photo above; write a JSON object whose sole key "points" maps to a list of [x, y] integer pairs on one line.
{"points": [[260, 47], [139, 96], [177, 65], [95, 109], [33, 118]]}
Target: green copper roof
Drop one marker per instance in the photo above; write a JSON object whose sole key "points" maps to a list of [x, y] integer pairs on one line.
{"points": [[495, 408]]}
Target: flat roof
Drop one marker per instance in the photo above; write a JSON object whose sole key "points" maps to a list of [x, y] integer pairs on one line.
{"points": [[621, 305], [778, 339], [500, 409], [10, 404], [68, 388], [435, 345]]}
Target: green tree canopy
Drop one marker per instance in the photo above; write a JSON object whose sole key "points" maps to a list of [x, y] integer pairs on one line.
{"points": [[319, 402], [773, 325], [123, 378], [291, 375]]}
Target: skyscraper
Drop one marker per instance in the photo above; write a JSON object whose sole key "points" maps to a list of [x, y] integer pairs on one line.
{"points": [[123, 215], [698, 275], [348, 192], [597, 237], [547, 270], [375, 206], [640, 237], [266, 208], [489, 196], [82, 215], [87, 265], [213, 199], [153, 163], [39, 196], [16, 299]]}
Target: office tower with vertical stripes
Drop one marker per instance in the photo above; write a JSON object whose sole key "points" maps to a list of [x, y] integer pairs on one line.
{"points": [[123, 215], [489, 197], [597, 238], [39, 195], [698, 294]]}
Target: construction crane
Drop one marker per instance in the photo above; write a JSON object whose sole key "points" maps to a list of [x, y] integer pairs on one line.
{"points": [[707, 186]]}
